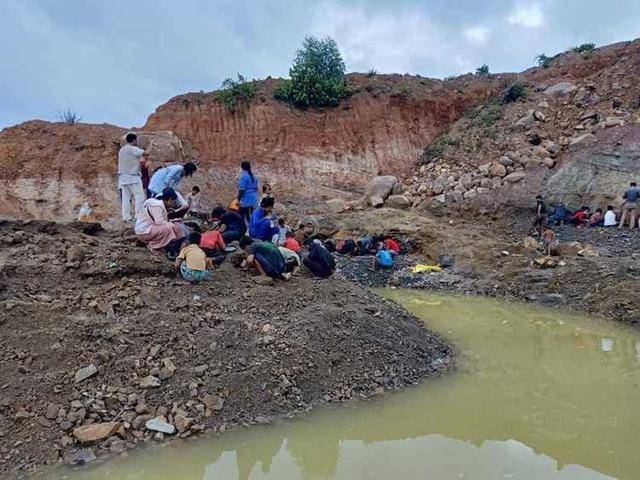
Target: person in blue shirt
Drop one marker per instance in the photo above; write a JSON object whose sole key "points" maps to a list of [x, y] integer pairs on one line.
{"points": [[384, 258], [630, 206], [169, 177], [247, 191], [261, 226]]}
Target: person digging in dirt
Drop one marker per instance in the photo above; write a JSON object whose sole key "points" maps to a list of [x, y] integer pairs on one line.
{"points": [[265, 258], [261, 225], [596, 219], [170, 177], [291, 262], [560, 214], [130, 162], [384, 257], [291, 243], [153, 228], [319, 261], [630, 205], [581, 218], [192, 262], [229, 223]]}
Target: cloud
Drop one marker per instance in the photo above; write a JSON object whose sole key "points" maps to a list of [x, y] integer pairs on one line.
{"points": [[529, 16], [477, 34]]}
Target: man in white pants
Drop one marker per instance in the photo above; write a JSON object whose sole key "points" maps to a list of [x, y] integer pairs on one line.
{"points": [[130, 157]]}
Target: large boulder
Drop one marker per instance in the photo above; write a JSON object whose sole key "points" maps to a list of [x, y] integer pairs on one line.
{"points": [[560, 88], [379, 187], [598, 173]]}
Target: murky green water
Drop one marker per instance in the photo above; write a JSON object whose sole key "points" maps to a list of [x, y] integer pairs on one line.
{"points": [[538, 395]]}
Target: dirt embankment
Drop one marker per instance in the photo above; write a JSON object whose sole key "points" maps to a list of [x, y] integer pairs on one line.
{"points": [[211, 356]]}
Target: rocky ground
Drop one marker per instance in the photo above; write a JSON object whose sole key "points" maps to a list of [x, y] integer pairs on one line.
{"points": [[103, 348]]}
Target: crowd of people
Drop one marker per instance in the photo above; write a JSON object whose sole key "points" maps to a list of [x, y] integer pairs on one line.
{"points": [[584, 217], [197, 239]]}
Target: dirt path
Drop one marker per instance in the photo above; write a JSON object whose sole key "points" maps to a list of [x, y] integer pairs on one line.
{"points": [[211, 356]]}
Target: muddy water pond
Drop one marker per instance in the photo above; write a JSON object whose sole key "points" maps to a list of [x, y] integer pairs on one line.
{"points": [[538, 394]]}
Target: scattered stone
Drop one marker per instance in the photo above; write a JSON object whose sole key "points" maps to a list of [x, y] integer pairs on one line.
{"points": [[213, 402], [86, 372], [337, 205], [498, 169], [95, 432], [150, 382], [182, 423], [588, 252], [52, 411], [81, 457], [376, 202], [539, 116], [545, 262], [159, 424], [514, 177], [398, 201], [531, 243]]}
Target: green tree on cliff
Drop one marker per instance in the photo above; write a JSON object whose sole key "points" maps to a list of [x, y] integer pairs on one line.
{"points": [[317, 75]]}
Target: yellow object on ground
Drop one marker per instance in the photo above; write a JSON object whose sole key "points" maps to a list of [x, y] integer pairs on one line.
{"points": [[420, 267]]}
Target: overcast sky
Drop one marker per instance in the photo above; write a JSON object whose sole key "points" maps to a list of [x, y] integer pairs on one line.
{"points": [[115, 61]]}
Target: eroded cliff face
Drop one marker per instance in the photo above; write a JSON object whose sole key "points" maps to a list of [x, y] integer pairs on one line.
{"points": [[380, 129], [50, 169]]}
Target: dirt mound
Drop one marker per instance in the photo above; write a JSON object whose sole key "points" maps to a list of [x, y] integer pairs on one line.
{"points": [[50, 169], [96, 331]]}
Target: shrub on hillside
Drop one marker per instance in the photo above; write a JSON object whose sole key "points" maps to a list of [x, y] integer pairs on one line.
{"points": [[515, 92], [236, 93], [69, 117], [483, 70], [543, 61], [317, 75], [584, 48], [372, 73]]}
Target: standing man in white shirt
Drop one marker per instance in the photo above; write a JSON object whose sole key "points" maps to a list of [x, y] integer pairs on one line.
{"points": [[130, 158]]}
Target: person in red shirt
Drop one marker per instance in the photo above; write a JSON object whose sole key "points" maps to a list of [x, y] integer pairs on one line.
{"points": [[581, 217], [393, 245], [291, 243]]}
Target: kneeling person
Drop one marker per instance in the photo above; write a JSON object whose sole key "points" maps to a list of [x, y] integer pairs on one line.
{"points": [[264, 257], [319, 261], [192, 262]]}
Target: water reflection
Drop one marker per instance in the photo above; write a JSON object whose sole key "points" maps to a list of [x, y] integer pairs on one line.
{"points": [[538, 395]]}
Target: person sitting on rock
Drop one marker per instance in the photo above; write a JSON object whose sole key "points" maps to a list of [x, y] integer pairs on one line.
{"points": [[170, 177], [229, 223], [265, 258], [153, 227], [597, 218], [610, 217], [192, 262], [319, 261], [630, 205], [261, 225], [581, 217], [291, 243]]}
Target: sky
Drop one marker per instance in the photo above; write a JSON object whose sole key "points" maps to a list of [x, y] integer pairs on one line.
{"points": [[115, 61]]}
